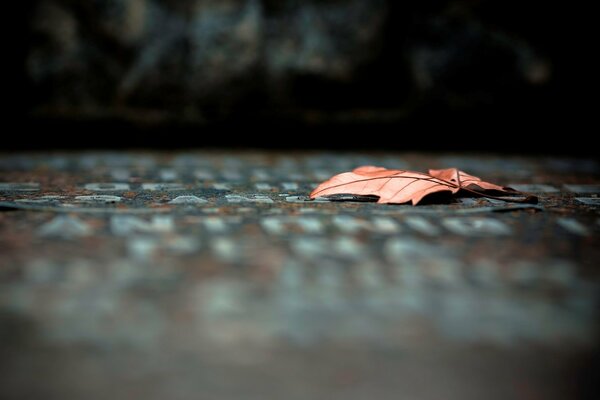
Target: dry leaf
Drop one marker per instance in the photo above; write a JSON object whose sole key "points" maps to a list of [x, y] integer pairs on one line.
{"points": [[401, 186]]}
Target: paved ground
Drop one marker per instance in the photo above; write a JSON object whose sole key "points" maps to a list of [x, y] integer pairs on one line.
{"points": [[210, 276]]}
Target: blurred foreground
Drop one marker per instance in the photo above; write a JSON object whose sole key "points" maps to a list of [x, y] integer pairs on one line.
{"points": [[209, 276]]}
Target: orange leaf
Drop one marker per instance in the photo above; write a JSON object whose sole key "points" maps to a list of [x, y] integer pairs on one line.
{"points": [[464, 180], [401, 186]]}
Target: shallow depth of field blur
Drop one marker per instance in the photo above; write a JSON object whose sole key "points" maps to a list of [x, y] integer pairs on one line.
{"points": [[145, 67], [156, 236]]}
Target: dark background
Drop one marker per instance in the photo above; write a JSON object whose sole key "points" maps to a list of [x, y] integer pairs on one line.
{"points": [[431, 75]]}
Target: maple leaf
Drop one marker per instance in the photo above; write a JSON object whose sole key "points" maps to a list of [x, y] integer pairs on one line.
{"points": [[401, 186]]}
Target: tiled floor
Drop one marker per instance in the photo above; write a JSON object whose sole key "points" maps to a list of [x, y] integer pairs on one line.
{"points": [[211, 276]]}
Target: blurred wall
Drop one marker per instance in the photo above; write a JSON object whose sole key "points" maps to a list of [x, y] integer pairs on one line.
{"points": [[309, 62]]}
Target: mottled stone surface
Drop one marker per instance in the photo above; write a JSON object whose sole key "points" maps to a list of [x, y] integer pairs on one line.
{"points": [[209, 275]]}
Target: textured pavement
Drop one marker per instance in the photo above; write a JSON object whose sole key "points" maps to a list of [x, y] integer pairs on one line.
{"points": [[210, 275]]}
